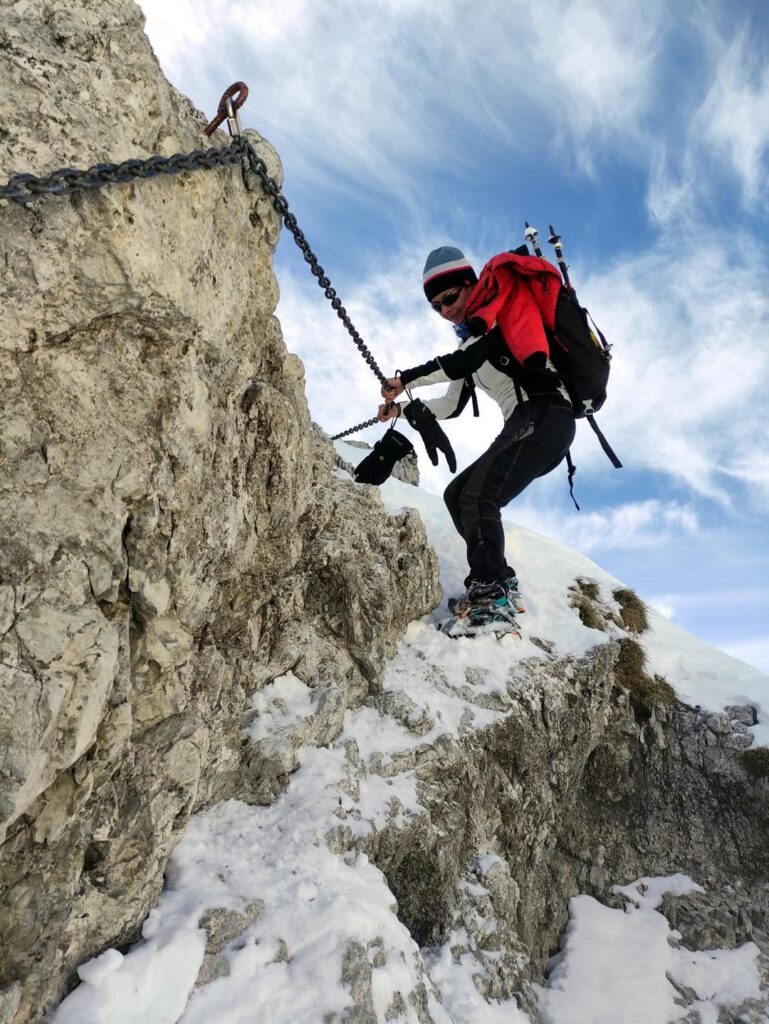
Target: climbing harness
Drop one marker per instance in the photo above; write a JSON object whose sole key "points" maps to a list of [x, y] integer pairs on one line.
{"points": [[25, 188]]}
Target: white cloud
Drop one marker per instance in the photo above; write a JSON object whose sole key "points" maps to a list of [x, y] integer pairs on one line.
{"points": [[629, 527], [367, 92], [726, 132], [600, 60], [734, 119], [690, 371]]}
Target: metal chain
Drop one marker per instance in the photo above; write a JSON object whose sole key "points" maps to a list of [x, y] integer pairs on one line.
{"points": [[354, 430], [271, 187], [25, 188]]}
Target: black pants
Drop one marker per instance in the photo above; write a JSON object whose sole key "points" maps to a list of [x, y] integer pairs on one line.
{"points": [[533, 441]]}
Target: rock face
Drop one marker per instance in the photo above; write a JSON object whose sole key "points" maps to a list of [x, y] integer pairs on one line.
{"points": [[173, 533], [179, 555], [576, 788]]}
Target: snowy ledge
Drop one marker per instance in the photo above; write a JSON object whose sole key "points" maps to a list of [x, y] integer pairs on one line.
{"points": [[430, 845]]}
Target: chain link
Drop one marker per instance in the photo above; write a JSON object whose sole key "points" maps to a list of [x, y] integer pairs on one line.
{"points": [[26, 188], [354, 430], [272, 188]]}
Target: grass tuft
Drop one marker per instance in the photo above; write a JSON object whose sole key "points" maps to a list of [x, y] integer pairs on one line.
{"points": [[633, 612], [631, 663], [630, 673], [756, 762], [583, 595], [588, 587], [587, 611]]}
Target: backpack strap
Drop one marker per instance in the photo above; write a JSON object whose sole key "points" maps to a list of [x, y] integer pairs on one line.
{"points": [[470, 384], [571, 470], [517, 386], [602, 441], [466, 395]]}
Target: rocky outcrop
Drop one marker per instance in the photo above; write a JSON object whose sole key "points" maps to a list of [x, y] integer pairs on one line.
{"points": [[191, 595], [482, 798], [572, 791], [174, 533]]}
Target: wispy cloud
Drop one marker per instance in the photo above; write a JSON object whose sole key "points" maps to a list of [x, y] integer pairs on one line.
{"points": [[725, 136], [689, 375], [630, 527], [366, 93], [599, 59], [734, 118]]}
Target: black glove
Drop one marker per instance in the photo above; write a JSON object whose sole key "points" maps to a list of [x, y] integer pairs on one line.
{"points": [[421, 419], [379, 464]]}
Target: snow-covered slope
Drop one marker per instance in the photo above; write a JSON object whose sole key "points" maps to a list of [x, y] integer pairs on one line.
{"points": [[700, 674], [301, 927]]}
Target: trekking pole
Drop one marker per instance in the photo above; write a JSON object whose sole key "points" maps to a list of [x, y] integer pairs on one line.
{"points": [[557, 244], [532, 235]]}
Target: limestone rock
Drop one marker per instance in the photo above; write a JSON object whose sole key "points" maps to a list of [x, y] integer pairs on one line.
{"points": [[177, 542], [222, 925], [174, 534]]}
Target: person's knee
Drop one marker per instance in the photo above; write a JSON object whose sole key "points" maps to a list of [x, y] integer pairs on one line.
{"points": [[451, 496], [489, 509], [469, 511]]}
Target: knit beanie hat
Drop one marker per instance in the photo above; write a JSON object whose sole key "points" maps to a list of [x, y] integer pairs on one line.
{"points": [[445, 267]]}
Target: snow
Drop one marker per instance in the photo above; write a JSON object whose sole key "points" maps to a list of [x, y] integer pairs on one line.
{"points": [[152, 983], [618, 967], [647, 893], [615, 966], [93, 972], [454, 977], [701, 675]]}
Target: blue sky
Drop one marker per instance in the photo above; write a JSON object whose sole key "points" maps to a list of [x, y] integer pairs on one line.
{"points": [[642, 132]]}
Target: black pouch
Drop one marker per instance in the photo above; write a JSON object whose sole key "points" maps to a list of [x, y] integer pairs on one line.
{"points": [[379, 464]]}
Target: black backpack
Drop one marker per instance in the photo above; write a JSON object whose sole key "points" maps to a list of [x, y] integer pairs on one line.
{"points": [[581, 355]]}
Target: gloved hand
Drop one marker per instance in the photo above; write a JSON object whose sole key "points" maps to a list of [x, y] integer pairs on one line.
{"points": [[421, 419], [379, 464]]}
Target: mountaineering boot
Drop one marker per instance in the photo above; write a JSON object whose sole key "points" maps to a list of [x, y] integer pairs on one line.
{"points": [[482, 609], [478, 593], [513, 592]]}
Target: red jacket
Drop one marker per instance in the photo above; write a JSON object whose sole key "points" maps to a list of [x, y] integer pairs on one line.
{"points": [[519, 293]]}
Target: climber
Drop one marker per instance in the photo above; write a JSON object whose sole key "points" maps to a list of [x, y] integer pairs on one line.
{"points": [[539, 423]]}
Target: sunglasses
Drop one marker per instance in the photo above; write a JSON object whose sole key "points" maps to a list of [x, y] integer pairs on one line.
{"points": [[448, 300]]}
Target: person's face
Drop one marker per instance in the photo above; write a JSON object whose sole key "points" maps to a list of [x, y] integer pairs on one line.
{"points": [[451, 303]]}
